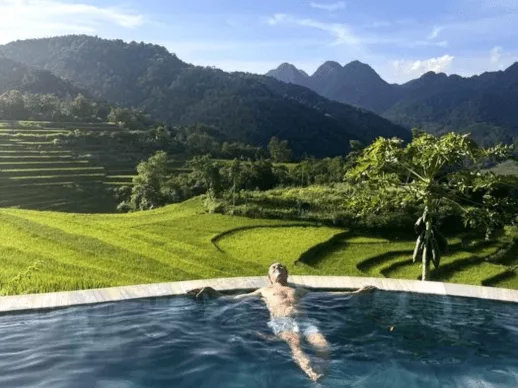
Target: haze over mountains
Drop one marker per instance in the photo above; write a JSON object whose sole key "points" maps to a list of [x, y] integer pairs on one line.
{"points": [[484, 105], [244, 107]]}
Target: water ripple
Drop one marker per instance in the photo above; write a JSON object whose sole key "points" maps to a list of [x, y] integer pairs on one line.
{"points": [[380, 340]]}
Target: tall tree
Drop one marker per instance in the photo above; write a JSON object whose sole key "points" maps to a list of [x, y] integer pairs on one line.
{"points": [[279, 150], [431, 170], [151, 187], [82, 107], [206, 172], [12, 105]]}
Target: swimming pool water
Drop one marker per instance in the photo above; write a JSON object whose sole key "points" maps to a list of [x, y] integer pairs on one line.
{"points": [[378, 340]]}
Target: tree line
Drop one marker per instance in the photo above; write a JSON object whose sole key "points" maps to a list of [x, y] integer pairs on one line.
{"points": [[15, 105]]}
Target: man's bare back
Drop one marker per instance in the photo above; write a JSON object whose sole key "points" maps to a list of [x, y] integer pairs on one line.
{"points": [[288, 321]]}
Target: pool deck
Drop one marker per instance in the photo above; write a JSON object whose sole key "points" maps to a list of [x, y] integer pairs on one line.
{"points": [[115, 294]]}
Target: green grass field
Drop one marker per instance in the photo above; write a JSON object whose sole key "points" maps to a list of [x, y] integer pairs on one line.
{"points": [[65, 161], [39, 171], [52, 251], [42, 251]]}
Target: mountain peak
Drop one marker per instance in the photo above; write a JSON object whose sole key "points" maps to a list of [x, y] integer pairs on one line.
{"points": [[330, 66], [286, 65], [429, 74], [361, 70], [288, 73], [289, 67], [513, 69], [327, 69], [358, 64]]}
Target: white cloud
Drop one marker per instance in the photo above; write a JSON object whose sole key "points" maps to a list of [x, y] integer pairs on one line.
{"points": [[328, 6], [343, 35], [405, 69], [437, 65], [277, 19], [341, 32], [435, 33], [496, 55], [21, 19]]}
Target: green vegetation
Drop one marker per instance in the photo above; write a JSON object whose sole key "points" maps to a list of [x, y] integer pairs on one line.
{"points": [[28, 107], [246, 108], [16, 76], [91, 167], [50, 251], [303, 213], [428, 171], [279, 150], [62, 166]]}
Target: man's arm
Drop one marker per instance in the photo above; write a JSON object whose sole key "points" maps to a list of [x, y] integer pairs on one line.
{"points": [[362, 290], [257, 292], [211, 293]]}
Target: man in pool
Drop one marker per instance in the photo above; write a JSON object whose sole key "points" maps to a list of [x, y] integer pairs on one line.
{"points": [[288, 321]]}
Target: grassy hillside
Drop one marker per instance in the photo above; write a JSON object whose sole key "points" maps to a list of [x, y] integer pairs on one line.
{"points": [[50, 251], [40, 169]]}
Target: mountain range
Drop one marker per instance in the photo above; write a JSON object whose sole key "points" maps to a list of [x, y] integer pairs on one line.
{"points": [[484, 105], [318, 114], [244, 107], [16, 76]]}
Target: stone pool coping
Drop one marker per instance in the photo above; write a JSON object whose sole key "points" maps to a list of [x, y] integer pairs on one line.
{"points": [[115, 294]]}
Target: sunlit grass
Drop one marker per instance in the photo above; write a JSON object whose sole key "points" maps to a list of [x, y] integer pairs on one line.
{"points": [[48, 251], [276, 244]]}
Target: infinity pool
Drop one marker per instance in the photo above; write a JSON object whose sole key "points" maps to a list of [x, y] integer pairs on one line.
{"points": [[378, 340]]}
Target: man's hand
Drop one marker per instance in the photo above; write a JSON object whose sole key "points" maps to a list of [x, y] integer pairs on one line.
{"points": [[204, 293], [366, 289]]}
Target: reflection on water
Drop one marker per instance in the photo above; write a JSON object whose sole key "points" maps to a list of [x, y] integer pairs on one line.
{"points": [[378, 340]]}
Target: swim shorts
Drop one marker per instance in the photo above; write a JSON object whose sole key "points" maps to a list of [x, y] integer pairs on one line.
{"points": [[301, 325]]}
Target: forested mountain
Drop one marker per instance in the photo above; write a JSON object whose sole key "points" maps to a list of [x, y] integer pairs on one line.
{"points": [[16, 76], [245, 107], [484, 105]]}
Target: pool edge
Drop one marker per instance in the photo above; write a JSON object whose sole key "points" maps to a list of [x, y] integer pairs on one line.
{"points": [[115, 294]]}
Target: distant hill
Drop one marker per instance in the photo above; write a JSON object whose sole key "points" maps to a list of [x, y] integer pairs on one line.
{"points": [[290, 74], [484, 104], [17, 76], [245, 107]]}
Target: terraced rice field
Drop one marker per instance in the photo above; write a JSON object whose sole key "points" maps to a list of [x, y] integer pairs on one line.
{"points": [[53, 251], [38, 171], [347, 254]]}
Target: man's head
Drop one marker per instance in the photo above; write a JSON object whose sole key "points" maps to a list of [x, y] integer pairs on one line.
{"points": [[278, 273]]}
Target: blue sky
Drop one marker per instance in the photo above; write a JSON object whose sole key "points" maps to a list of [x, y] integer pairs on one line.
{"points": [[400, 39]]}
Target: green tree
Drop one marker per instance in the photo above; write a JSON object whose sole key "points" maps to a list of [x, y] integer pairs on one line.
{"points": [[235, 177], [207, 173], [12, 106], [429, 171], [200, 143], [151, 187], [279, 150], [82, 107]]}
